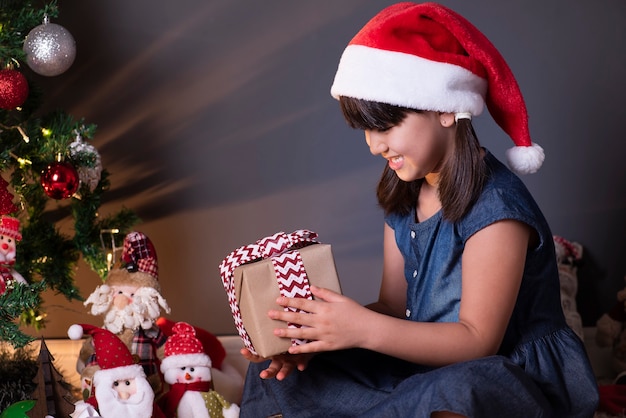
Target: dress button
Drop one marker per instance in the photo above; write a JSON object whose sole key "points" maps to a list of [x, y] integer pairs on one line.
{"points": [[414, 273], [408, 313], [412, 234]]}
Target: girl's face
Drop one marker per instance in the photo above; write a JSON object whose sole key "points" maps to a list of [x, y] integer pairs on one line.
{"points": [[417, 146]]}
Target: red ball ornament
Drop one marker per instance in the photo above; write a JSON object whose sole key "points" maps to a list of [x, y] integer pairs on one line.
{"points": [[13, 89], [59, 180]]}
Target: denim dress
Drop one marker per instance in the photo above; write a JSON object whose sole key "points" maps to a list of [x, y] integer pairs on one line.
{"points": [[541, 369]]}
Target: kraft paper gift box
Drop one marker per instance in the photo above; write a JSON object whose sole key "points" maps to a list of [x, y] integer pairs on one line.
{"points": [[256, 289]]}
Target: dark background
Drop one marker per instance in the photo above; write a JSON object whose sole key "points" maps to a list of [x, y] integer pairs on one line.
{"points": [[216, 123]]}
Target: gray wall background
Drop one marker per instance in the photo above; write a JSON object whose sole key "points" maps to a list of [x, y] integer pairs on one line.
{"points": [[215, 121]]}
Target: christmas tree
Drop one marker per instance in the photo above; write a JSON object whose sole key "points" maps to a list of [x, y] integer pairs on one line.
{"points": [[49, 171]]}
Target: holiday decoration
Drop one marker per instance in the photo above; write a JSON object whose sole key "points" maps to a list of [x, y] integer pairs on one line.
{"points": [[50, 49], [60, 180], [255, 275], [130, 302], [13, 89], [86, 159], [18, 409], [134, 398], [187, 369], [226, 379], [52, 393], [6, 198], [9, 235], [29, 140]]}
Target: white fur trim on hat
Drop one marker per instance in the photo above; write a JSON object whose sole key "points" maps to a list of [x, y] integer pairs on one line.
{"points": [[525, 160], [118, 373], [185, 360], [407, 80], [75, 332]]}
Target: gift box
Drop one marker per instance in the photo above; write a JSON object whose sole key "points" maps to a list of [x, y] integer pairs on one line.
{"points": [[255, 275]]}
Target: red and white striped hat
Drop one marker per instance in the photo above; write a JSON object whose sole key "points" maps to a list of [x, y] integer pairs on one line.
{"points": [[427, 57]]}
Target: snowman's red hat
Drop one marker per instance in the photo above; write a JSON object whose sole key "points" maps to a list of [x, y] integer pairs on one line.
{"points": [[182, 349]]}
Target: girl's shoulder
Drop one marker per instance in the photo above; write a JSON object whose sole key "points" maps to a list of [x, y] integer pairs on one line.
{"points": [[504, 196]]}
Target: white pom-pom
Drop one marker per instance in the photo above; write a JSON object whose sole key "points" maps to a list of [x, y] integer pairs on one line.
{"points": [[75, 332], [525, 160]]}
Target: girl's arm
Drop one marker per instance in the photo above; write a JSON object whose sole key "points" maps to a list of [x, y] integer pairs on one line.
{"points": [[392, 295], [492, 265]]}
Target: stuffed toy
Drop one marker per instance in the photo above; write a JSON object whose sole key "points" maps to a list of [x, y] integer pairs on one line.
{"points": [[187, 370], [568, 258], [9, 235], [120, 387], [131, 302], [611, 332], [226, 378]]}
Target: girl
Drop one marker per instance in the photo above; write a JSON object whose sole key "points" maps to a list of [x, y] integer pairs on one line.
{"points": [[468, 320]]}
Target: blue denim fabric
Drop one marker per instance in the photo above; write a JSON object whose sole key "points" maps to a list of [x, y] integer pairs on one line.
{"points": [[541, 370]]}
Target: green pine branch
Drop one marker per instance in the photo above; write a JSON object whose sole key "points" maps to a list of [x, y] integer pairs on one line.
{"points": [[29, 141]]}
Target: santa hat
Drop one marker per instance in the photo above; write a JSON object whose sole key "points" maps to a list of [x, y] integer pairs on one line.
{"points": [[182, 348], [10, 226], [427, 57], [113, 356], [140, 263]]}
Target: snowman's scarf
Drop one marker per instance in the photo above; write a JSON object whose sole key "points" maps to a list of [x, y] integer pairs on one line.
{"points": [[177, 390]]}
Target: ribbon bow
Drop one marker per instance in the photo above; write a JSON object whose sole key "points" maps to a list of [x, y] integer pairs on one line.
{"points": [[280, 248]]}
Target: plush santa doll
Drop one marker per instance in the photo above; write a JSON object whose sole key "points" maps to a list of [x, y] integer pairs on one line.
{"points": [[187, 369], [9, 235], [131, 302], [120, 388]]}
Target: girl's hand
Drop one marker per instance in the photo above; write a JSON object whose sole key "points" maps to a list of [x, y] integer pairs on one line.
{"points": [[331, 322], [281, 365]]}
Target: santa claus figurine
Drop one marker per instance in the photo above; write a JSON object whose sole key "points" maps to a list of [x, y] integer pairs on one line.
{"points": [[187, 369], [120, 388], [9, 235], [131, 302]]}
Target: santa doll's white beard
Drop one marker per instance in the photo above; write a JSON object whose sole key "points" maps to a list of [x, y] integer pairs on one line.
{"points": [[138, 405], [133, 316]]}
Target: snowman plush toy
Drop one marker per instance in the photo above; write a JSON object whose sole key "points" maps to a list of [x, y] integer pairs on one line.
{"points": [[187, 369]]}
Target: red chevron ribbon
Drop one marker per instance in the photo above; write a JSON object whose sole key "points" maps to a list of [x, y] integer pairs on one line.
{"points": [[291, 276]]}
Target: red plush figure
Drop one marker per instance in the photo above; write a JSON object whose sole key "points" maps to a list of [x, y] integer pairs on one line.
{"points": [[131, 302], [9, 235], [226, 379], [120, 388], [187, 369], [210, 343]]}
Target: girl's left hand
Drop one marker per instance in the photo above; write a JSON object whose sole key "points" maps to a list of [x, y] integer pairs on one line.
{"points": [[331, 322]]}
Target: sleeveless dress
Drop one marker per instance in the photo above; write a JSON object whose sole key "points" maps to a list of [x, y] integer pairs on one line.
{"points": [[541, 369]]}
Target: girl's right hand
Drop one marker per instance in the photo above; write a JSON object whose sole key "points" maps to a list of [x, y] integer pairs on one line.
{"points": [[281, 365]]}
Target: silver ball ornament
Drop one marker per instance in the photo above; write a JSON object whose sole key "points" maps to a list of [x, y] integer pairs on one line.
{"points": [[87, 162], [50, 49]]}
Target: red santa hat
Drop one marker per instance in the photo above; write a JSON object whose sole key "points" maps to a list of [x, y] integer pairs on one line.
{"points": [[113, 356], [427, 57], [140, 263], [182, 349], [10, 226]]}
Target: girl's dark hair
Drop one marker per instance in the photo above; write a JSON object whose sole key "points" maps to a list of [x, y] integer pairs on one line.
{"points": [[461, 178]]}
